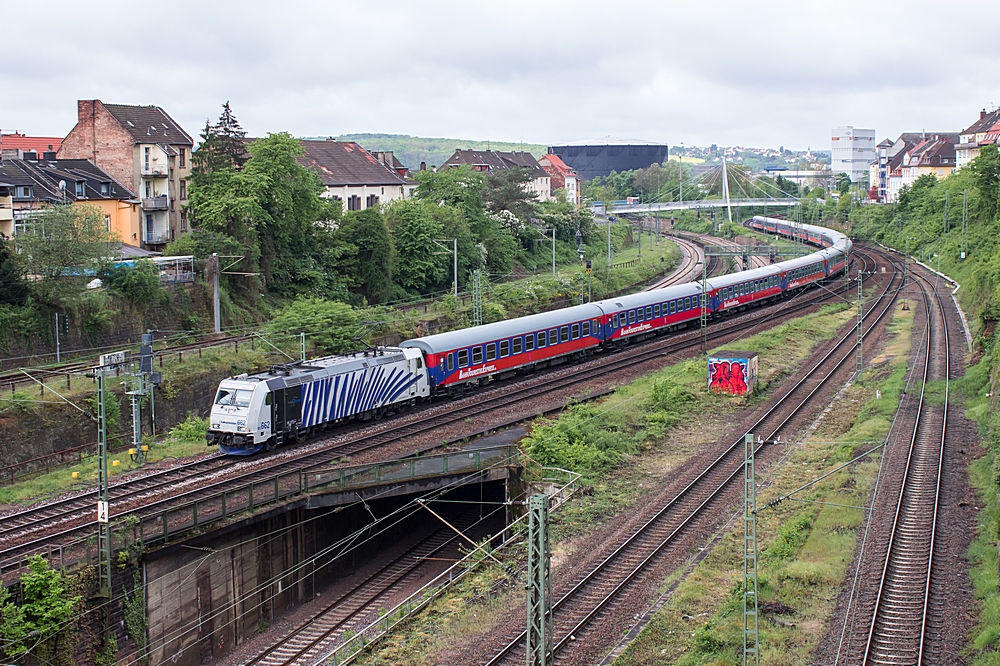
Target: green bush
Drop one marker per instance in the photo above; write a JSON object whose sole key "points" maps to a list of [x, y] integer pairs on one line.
{"points": [[191, 430], [329, 325]]}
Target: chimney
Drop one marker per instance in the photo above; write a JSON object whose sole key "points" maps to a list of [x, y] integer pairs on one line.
{"points": [[84, 109], [423, 166]]}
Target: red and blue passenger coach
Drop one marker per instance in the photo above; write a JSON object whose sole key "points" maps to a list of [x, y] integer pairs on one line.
{"points": [[472, 355], [637, 316]]}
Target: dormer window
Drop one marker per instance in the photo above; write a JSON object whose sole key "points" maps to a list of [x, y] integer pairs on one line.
{"points": [[105, 189], [81, 188], [24, 191]]}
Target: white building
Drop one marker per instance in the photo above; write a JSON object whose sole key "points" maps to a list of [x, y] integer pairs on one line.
{"points": [[852, 151]]}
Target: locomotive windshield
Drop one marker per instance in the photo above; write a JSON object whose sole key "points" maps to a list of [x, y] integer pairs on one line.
{"points": [[231, 397]]}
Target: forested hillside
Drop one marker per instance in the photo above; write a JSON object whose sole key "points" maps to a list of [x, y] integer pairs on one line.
{"points": [[412, 150]]}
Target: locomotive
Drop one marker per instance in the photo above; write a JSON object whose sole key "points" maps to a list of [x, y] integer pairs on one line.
{"points": [[286, 402]]}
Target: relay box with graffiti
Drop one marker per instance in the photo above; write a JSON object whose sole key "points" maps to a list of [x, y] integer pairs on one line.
{"points": [[733, 372]]}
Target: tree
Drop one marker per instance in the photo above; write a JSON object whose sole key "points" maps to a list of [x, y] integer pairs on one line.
{"points": [[222, 147], [842, 182], [13, 286], [66, 247], [330, 325], [986, 168], [460, 187], [417, 266], [139, 285], [367, 231], [506, 189], [44, 609]]}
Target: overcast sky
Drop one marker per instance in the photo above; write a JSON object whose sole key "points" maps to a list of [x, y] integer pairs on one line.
{"points": [[730, 72]]}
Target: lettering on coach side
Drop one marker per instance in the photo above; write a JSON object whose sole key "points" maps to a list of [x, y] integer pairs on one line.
{"points": [[473, 372], [636, 329]]}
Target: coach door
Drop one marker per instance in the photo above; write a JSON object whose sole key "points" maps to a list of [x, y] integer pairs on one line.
{"points": [[278, 411], [416, 364]]}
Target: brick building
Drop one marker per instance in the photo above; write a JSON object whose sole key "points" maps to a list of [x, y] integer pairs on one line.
{"points": [[145, 150], [496, 160], [563, 177]]}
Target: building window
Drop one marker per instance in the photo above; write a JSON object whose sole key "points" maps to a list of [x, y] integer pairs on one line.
{"points": [[146, 158], [184, 189], [107, 223], [354, 202], [371, 201], [184, 220], [149, 190], [24, 191], [105, 189], [183, 158]]}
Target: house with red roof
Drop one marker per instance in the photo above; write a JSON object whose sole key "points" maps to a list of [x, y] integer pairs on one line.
{"points": [[971, 137], [563, 177], [14, 145]]}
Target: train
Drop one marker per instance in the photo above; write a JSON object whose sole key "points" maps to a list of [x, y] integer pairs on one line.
{"points": [[287, 402]]}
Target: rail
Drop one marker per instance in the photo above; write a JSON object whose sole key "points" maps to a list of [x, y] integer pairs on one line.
{"points": [[347, 651]]}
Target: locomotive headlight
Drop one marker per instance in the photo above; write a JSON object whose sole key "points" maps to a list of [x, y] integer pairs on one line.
{"points": [[241, 428], [215, 426]]}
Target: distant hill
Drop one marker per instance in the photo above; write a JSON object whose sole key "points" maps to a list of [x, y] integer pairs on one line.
{"points": [[412, 150]]}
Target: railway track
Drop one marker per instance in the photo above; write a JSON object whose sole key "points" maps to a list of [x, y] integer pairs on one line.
{"points": [[898, 632], [590, 595], [353, 609], [74, 519]]}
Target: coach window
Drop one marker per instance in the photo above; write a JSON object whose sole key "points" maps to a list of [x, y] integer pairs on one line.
{"points": [[541, 339], [656, 310], [586, 328], [614, 321], [451, 362], [574, 331], [463, 358], [631, 316], [491, 351], [687, 303], [649, 312], [517, 345], [477, 355], [564, 334], [504, 348], [529, 342], [553, 337], [638, 314], [673, 307]]}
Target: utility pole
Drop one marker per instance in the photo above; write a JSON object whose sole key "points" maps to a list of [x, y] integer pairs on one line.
{"points": [[640, 237], [302, 346], [861, 314], [477, 298], [213, 269], [58, 351], [751, 637], [965, 223], [946, 193], [680, 174], [454, 253], [553, 250], [704, 305], [538, 638]]}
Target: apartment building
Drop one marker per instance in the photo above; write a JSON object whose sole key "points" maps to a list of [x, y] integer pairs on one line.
{"points": [[143, 148], [852, 151]]}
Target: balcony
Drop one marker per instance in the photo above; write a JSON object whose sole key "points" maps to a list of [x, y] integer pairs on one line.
{"points": [[154, 169], [157, 237], [156, 203]]}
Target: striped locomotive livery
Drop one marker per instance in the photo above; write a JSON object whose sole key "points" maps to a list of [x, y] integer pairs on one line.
{"points": [[344, 395]]}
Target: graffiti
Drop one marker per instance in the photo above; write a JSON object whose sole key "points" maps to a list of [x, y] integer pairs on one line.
{"points": [[729, 377]]}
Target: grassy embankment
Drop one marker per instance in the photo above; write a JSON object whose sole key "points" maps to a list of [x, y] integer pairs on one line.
{"points": [[622, 444], [806, 546]]}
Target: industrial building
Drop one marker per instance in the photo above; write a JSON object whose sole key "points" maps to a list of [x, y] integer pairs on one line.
{"points": [[599, 157]]}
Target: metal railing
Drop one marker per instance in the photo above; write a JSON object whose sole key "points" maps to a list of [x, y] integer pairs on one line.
{"points": [[347, 651], [155, 203], [157, 236], [200, 513]]}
